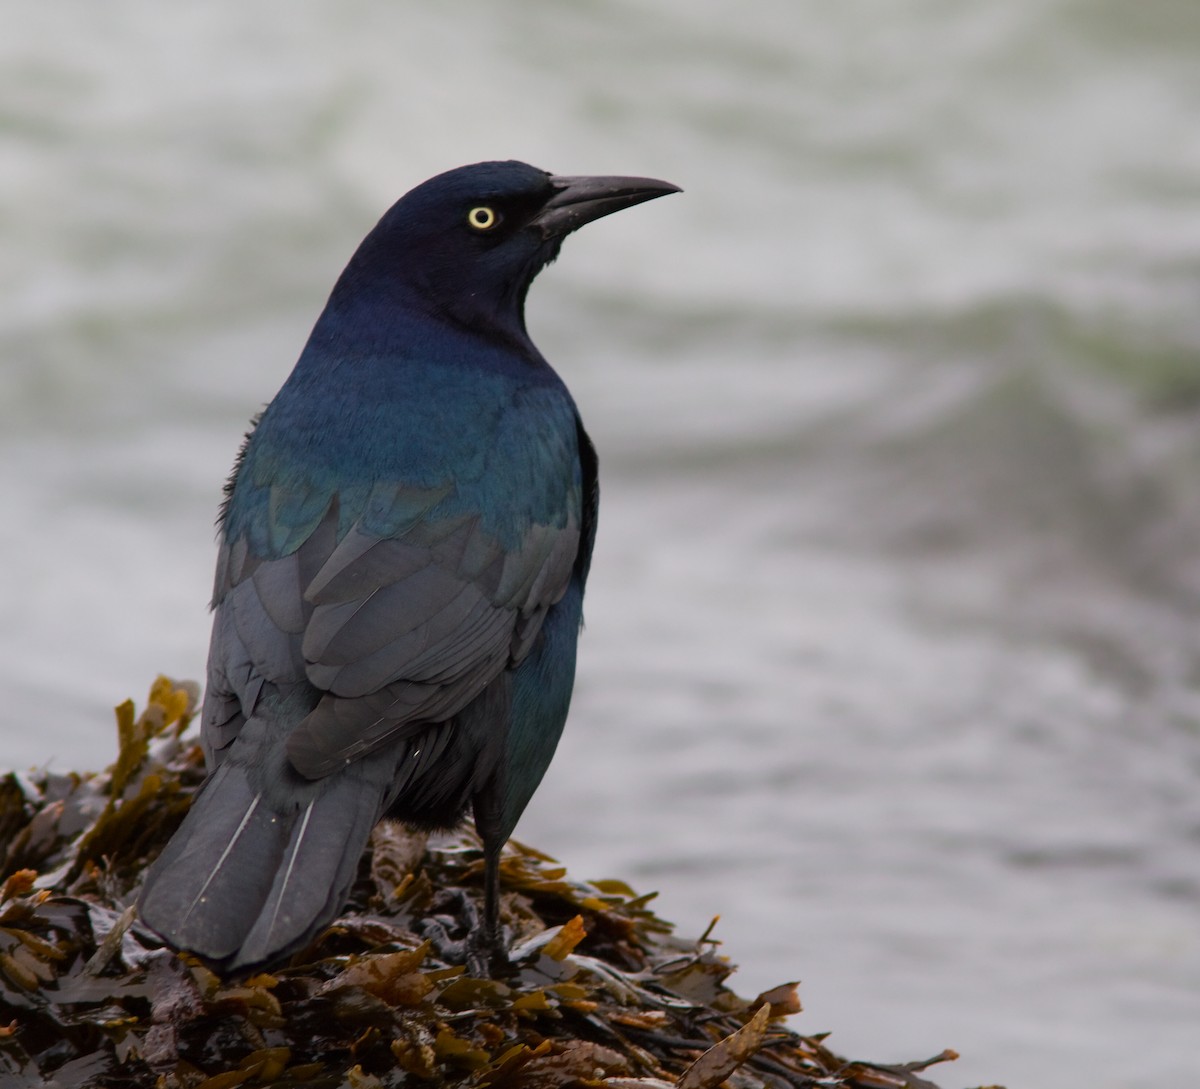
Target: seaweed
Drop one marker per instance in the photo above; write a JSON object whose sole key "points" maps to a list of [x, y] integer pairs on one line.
{"points": [[602, 992]]}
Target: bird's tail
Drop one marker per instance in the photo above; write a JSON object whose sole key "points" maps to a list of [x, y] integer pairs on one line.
{"points": [[254, 873]]}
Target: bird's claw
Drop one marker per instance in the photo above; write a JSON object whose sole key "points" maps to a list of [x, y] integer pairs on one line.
{"points": [[458, 935]]}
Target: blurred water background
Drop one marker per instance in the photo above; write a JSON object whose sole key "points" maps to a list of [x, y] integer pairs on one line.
{"points": [[892, 654]]}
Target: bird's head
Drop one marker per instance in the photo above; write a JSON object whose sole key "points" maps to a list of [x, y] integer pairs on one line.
{"points": [[466, 245]]}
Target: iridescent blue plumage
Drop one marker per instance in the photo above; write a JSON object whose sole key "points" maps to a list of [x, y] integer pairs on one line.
{"points": [[404, 547]]}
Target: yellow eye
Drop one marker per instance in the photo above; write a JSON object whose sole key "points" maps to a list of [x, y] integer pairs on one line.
{"points": [[483, 218]]}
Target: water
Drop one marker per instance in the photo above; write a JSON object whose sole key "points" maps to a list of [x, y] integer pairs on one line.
{"points": [[891, 655]]}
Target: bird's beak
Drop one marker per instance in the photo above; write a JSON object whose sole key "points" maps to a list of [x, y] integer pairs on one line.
{"points": [[579, 200]]}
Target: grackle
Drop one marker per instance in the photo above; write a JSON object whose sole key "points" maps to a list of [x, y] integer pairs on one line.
{"points": [[404, 544]]}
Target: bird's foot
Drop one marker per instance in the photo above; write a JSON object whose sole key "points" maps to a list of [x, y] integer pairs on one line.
{"points": [[453, 918], [459, 935], [487, 955]]}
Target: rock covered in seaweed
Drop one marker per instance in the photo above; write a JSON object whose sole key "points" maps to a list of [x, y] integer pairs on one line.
{"points": [[602, 994]]}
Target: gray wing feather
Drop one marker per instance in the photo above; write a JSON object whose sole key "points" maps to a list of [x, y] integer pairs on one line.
{"points": [[233, 688], [274, 651], [279, 586], [362, 563], [258, 617]]}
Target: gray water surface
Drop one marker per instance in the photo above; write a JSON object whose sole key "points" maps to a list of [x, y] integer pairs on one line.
{"points": [[892, 655]]}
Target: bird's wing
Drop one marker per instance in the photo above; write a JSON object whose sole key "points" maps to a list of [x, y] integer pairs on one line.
{"points": [[393, 630], [412, 628], [259, 617]]}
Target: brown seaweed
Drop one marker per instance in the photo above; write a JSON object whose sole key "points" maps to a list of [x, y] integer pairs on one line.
{"points": [[603, 992]]}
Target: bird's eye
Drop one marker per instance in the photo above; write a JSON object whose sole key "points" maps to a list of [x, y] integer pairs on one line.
{"points": [[483, 218]]}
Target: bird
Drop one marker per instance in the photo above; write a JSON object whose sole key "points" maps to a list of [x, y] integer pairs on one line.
{"points": [[404, 543]]}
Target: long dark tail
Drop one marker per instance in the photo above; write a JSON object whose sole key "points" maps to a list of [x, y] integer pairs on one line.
{"points": [[249, 878]]}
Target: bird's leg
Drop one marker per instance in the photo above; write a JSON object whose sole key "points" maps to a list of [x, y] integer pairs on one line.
{"points": [[491, 898], [486, 955]]}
